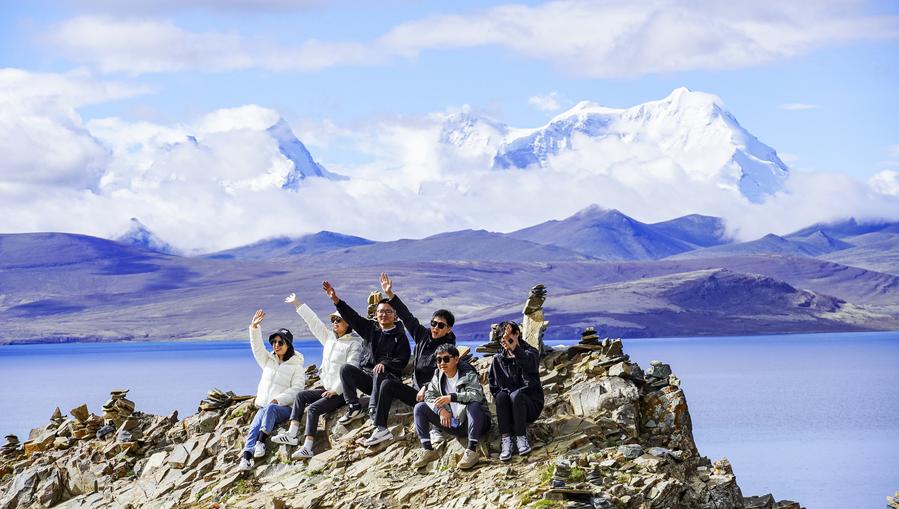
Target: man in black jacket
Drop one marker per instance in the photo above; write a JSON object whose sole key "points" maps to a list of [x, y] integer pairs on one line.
{"points": [[514, 379], [386, 355], [427, 340]]}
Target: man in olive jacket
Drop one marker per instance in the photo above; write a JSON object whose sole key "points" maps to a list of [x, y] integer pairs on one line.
{"points": [[454, 402]]}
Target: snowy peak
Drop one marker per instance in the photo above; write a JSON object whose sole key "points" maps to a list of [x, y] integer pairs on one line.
{"points": [[687, 129], [139, 236], [304, 166]]}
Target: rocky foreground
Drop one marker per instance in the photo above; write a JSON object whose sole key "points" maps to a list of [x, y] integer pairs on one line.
{"points": [[611, 436]]}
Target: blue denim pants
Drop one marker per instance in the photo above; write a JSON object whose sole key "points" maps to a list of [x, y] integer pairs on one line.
{"points": [[265, 421]]}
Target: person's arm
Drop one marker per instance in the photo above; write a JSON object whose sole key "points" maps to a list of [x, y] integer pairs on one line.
{"points": [[491, 377], [432, 390], [354, 357], [363, 326], [256, 343], [402, 312], [318, 328], [528, 359], [297, 384]]}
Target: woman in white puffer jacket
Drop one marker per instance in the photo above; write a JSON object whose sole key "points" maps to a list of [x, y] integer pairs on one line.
{"points": [[341, 346], [283, 377]]}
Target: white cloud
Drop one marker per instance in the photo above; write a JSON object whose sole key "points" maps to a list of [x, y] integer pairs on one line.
{"points": [[886, 182], [548, 102], [254, 6], [798, 106], [615, 38]]}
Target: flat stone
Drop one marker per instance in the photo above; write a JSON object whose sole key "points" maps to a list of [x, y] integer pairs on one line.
{"points": [[630, 451], [80, 412]]}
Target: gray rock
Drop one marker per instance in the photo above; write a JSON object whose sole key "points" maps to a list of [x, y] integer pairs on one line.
{"points": [[631, 451]]}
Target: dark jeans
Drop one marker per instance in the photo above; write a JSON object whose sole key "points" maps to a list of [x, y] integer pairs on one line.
{"points": [[476, 417], [514, 411], [389, 389], [318, 406], [354, 378]]}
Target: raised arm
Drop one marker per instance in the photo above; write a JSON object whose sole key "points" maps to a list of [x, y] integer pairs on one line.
{"points": [[402, 312], [316, 326], [361, 325], [256, 343]]}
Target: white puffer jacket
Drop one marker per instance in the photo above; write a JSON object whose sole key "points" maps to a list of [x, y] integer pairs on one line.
{"points": [[281, 381], [346, 349]]}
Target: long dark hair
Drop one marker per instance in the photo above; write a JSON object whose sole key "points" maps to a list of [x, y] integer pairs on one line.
{"points": [[289, 353]]}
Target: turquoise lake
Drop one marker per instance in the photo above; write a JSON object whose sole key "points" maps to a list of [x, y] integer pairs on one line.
{"points": [[812, 418]]}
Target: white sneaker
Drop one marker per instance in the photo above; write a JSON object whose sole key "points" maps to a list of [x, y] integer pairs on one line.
{"points": [[351, 415], [302, 454], [378, 436], [285, 439], [506, 449], [259, 450], [524, 447], [245, 464], [438, 436]]}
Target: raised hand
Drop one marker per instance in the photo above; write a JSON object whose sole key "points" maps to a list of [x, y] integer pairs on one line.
{"points": [[257, 319], [292, 299], [386, 285], [330, 291]]}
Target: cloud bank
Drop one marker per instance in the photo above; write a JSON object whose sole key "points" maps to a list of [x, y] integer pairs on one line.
{"points": [[216, 182], [608, 39]]}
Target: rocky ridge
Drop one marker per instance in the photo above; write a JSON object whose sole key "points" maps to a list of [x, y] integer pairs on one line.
{"points": [[612, 435]]}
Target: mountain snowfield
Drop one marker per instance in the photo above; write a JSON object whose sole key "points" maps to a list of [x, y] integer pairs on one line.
{"points": [[687, 131]]}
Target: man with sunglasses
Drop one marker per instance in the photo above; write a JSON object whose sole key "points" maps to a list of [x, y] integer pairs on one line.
{"points": [[427, 341], [341, 346], [386, 354], [454, 402]]}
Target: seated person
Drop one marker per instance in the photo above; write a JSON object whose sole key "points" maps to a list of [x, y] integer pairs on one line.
{"points": [[385, 356], [427, 340], [514, 379], [283, 377], [341, 346], [454, 402]]}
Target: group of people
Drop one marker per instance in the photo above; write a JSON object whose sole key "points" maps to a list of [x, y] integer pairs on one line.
{"points": [[370, 356]]}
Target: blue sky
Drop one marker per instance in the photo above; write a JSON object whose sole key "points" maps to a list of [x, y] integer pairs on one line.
{"points": [[818, 85]]}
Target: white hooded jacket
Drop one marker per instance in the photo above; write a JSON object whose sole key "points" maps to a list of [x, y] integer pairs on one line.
{"points": [[346, 349], [281, 381]]}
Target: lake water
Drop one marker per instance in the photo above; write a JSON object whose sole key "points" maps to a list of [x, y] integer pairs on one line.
{"points": [[812, 418]]}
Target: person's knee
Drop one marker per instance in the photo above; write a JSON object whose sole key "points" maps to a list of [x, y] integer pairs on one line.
{"points": [[420, 409], [502, 398], [346, 369], [517, 396]]}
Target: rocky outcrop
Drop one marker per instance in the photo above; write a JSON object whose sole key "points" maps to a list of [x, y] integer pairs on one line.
{"points": [[611, 436]]}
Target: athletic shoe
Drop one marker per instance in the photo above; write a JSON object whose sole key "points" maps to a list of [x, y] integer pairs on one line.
{"points": [[524, 447], [352, 413], [259, 450], [378, 436], [302, 454], [425, 457], [469, 459], [285, 439], [245, 465], [506, 449], [438, 436]]}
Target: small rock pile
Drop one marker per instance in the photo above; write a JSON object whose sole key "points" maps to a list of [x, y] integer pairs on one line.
{"points": [[589, 336], [216, 399], [893, 501], [12, 447], [86, 424], [118, 408], [536, 298], [312, 376]]}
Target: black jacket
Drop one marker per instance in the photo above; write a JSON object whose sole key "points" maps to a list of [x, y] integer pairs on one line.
{"points": [[519, 372], [390, 348], [425, 345]]}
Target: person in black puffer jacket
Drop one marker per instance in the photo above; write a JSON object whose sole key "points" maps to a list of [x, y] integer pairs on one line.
{"points": [[514, 379], [427, 340], [386, 355]]}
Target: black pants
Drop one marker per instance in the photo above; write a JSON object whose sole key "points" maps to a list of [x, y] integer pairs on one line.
{"points": [[477, 420], [355, 378], [514, 411], [317, 406], [389, 389]]}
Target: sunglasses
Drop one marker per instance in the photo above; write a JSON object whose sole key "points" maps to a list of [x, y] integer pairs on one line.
{"points": [[278, 342], [439, 325], [335, 319], [443, 359]]}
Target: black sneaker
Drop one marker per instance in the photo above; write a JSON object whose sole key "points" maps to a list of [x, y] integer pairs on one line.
{"points": [[353, 412]]}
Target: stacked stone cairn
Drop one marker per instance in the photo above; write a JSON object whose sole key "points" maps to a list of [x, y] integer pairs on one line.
{"points": [[216, 399], [589, 336], [312, 376], [893, 501], [12, 447], [373, 299], [86, 424]]}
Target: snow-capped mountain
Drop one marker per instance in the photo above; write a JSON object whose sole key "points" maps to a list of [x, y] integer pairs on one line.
{"points": [[294, 150], [138, 235], [689, 131]]}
